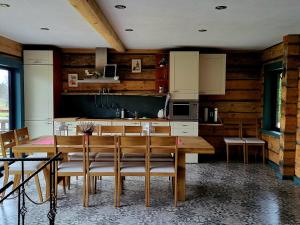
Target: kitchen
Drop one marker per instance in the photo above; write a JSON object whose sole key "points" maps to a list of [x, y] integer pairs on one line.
{"points": [[197, 90]]}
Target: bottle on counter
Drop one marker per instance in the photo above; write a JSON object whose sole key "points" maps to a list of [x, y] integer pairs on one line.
{"points": [[122, 113], [215, 115], [118, 114]]}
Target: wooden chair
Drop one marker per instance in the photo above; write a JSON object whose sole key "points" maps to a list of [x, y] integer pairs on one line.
{"points": [[111, 130], [8, 141], [162, 145], [161, 131], [108, 131], [252, 140], [66, 168], [132, 144], [22, 137], [234, 141], [133, 130], [78, 156], [104, 144]]}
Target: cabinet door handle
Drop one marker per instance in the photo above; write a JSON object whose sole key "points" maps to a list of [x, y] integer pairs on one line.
{"points": [[184, 132]]}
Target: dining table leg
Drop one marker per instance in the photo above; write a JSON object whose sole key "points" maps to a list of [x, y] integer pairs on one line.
{"points": [[181, 176]]}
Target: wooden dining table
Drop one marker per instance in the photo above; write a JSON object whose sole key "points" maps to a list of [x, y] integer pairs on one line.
{"points": [[186, 144]]}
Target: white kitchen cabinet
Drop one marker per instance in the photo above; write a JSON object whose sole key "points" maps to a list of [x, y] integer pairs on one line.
{"points": [[184, 74], [212, 74], [186, 129], [38, 57], [38, 92], [125, 123], [38, 128]]}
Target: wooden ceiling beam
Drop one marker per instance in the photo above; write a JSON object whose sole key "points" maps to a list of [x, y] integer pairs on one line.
{"points": [[10, 47], [91, 11]]}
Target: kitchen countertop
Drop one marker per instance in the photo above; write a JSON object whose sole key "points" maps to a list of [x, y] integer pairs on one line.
{"points": [[74, 119]]}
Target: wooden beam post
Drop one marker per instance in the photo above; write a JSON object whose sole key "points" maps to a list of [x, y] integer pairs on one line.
{"points": [[91, 11]]}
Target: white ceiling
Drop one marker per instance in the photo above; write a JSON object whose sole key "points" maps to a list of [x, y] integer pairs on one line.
{"points": [[24, 18], [245, 24]]}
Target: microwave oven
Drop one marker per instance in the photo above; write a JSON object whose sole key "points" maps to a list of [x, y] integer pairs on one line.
{"points": [[184, 110]]}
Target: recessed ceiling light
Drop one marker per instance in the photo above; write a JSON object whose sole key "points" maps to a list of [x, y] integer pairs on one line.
{"points": [[129, 29], [221, 7], [120, 6], [44, 28], [4, 5], [202, 30]]}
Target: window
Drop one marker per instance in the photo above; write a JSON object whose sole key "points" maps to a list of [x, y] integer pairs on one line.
{"points": [[272, 96], [278, 102], [4, 100]]}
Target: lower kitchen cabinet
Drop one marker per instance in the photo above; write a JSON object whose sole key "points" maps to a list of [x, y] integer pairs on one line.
{"points": [[186, 129]]}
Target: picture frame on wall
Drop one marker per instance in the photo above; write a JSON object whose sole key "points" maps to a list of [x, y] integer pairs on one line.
{"points": [[136, 65], [73, 80]]}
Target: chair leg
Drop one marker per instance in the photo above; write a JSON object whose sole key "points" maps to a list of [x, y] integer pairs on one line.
{"points": [[147, 191], [86, 190], [119, 190], [175, 191], [69, 182], [5, 180], [38, 187], [115, 192], [95, 184], [64, 184], [245, 154], [17, 179], [263, 151], [227, 152]]}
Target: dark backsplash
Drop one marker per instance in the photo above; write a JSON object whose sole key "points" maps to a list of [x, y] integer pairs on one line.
{"points": [[105, 106]]}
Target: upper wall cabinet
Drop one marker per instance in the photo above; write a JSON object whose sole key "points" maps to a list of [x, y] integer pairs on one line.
{"points": [[212, 74], [184, 74], [40, 57]]}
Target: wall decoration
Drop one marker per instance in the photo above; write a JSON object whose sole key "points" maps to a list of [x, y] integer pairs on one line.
{"points": [[136, 66], [73, 80]]}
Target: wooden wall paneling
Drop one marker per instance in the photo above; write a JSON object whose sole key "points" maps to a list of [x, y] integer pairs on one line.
{"points": [[290, 104], [272, 53], [242, 99], [10, 47], [143, 82]]}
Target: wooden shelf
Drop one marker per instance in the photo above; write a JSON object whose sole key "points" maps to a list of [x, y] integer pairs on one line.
{"points": [[129, 93], [211, 124], [101, 81]]}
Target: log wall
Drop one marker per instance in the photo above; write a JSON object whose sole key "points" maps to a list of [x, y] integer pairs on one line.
{"points": [[242, 99], [74, 62], [289, 113]]}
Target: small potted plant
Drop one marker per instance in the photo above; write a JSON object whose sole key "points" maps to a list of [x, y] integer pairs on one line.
{"points": [[87, 128]]}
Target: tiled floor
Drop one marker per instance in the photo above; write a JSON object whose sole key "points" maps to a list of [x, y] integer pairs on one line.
{"points": [[217, 193]]}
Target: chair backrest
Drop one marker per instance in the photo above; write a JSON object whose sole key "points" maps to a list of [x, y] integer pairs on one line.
{"points": [[102, 144], [79, 132], [22, 136], [133, 144], [250, 128], [68, 144], [161, 130], [163, 144], [234, 125], [133, 130], [111, 130], [7, 141]]}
